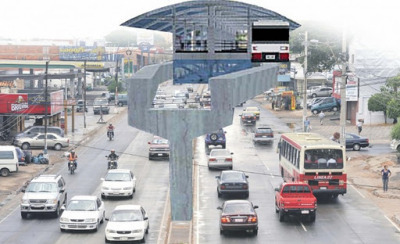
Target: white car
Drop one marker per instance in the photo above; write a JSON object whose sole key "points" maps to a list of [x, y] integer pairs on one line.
{"points": [[127, 223], [118, 183], [220, 158], [82, 213]]}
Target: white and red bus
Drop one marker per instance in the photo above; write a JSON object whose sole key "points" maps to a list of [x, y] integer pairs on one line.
{"points": [[270, 41], [313, 159]]}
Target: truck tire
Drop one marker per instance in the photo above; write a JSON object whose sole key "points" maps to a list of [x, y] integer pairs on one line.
{"points": [[281, 215]]}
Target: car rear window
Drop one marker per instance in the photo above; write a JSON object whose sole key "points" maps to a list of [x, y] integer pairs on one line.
{"points": [[6, 155], [264, 130], [219, 153]]}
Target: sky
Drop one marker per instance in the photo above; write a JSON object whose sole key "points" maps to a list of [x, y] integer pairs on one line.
{"points": [[62, 19]]}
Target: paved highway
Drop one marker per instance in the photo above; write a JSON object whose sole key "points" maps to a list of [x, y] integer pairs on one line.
{"points": [[349, 219]]}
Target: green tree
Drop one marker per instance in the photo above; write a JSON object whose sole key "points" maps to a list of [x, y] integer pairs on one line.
{"points": [[393, 108], [379, 102], [394, 83], [113, 84], [395, 133]]}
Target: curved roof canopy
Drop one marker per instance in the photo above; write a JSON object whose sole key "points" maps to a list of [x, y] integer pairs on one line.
{"points": [[194, 15]]}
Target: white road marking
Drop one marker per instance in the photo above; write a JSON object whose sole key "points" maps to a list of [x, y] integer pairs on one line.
{"points": [[304, 228], [198, 203], [266, 166], [18, 207], [358, 191], [398, 229], [272, 176]]}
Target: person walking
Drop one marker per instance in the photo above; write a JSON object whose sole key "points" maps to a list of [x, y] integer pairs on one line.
{"points": [[359, 126], [307, 125], [273, 104], [385, 177], [321, 117]]}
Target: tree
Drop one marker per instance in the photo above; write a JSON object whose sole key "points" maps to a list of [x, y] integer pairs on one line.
{"points": [[394, 83], [393, 108], [395, 133], [378, 102], [113, 84]]}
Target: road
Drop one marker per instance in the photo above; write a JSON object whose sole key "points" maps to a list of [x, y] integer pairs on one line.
{"points": [[349, 219], [151, 192]]}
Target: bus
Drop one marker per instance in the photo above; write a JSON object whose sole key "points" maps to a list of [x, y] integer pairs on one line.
{"points": [[315, 160], [270, 41]]}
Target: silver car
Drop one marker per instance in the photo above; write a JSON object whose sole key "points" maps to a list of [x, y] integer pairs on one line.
{"points": [[322, 92], [37, 141]]}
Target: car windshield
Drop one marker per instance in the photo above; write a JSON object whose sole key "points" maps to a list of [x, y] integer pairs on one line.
{"points": [[159, 141], [248, 115], [41, 187], [323, 159], [252, 109], [216, 153], [126, 216], [118, 177], [264, 130], [82, 205], [236, 208], [232, 176], [100, 102]]}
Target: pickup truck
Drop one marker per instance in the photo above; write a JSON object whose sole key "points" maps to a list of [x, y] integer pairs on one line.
{"points": [[295, 198]]}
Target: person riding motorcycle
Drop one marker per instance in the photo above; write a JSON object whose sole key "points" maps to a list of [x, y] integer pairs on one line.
{"points": [[112, 157], [73, 157], [110, 129]]}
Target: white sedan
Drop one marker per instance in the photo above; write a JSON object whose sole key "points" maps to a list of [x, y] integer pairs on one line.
{"points": [[220, 158], [118, 183], [127, 223], [82, 213]]}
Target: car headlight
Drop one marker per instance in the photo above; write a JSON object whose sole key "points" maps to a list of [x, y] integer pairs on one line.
{"points": [[105, 188], [90, 220], [64, 220], [127, 188], [110, 231], [137, 231], [51, 201]]}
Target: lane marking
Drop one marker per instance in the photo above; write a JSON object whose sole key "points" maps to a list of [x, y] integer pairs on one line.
{"points": [[198, 203], [358, 191], [398, 229], [272, 176], [304, 228], [18, 207], [266, 166]]}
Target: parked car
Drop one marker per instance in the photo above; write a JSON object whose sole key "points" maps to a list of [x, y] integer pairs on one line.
{"points": [[395, 145], [231, 182], [8, 160], [328, 104], [127, 223], [44, 194], [322, 92], [34, 130], [238, 215], [254, 110], [356, 142], [118, 183], [248, 118], [101, 104], [82, 213], [263, 135], [311, 89], [80, 106], [220, 158], [53, 141], [314, 101], [159, 148], [21, 156], [216, 139], [122, 99], [295, 198]]}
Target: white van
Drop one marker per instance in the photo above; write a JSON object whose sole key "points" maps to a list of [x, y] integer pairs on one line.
{"points": [[8, 160]]}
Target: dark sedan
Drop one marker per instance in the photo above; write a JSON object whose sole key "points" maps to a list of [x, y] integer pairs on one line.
{"points": [[248, 118], [356, 142], [238, 215], [232, 182]]}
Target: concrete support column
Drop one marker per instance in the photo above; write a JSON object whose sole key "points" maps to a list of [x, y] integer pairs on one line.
{"points": [[31, 82], [72, 88]]}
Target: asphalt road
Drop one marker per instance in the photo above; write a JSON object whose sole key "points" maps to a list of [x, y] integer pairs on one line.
{"points": [[151, 189], [349, 219]]}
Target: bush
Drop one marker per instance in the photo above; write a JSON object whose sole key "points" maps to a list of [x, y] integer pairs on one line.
{"points": [[395, 133]]}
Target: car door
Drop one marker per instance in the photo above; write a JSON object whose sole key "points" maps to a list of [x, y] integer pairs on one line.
{"points": [[145, 217], [37, 141], [349, 141], [51, 140]]}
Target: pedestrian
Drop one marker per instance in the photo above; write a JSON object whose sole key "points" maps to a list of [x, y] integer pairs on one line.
{"points": [[321, 117], [307, 125], [359, 126], [273, 104], [385, 177]]}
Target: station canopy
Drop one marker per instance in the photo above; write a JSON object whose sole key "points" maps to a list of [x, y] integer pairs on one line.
{"points": [[194, 15]]}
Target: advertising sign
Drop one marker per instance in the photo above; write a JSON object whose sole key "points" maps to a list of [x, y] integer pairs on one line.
{"points": [[82, 53], [14, 103]]}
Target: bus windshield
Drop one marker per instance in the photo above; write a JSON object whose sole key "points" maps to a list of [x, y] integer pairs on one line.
{"points": [[323, 159], [270, 34]]}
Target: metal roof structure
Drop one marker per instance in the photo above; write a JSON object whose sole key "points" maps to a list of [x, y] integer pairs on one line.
{"points": [[230, 15]]}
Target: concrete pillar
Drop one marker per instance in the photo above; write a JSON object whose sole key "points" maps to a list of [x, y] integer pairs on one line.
{"points": [[72, 88]]}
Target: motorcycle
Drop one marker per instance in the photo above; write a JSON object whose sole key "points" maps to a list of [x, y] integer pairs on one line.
{"points": [[110, 134], [71, 167], [112, 163]]}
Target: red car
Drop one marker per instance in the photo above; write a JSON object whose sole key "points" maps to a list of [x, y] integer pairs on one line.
{"points": [[159, 148]]}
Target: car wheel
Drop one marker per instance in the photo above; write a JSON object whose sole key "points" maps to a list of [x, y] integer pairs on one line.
{"points": [[62, 230], [24, 215], [224, 145], [57, 147], [334, 109], [255, 232], [103, 196], [102, 218], [147, 230], [276, 208], [219, 193], [281, 216], [312, 217], [131, 196], [120, 104], [143, 240], [25, 146], [314, 95], [221, 232], [57, 212], [315, 111], [356, 147], [97, 226], [4, 172]]}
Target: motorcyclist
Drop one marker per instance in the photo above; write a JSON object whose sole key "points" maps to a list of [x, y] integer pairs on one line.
{"points": [[73, 157], [112, 157], [110, 129]]}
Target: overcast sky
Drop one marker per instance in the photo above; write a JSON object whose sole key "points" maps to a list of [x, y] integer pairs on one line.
{"points": [[95, 18]]}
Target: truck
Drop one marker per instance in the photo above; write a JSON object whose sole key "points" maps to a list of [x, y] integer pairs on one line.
{"points": [[101, 104], [295, 198]]}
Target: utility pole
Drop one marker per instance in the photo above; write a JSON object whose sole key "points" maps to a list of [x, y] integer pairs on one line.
{"points": [[343, 101], [305, 80], [116, 83], [84, 94], [45, 111]]}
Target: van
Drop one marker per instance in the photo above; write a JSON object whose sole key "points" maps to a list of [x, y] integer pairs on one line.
{"points": [[122, 99], [8, 160], [100, 105], [36, 129]]}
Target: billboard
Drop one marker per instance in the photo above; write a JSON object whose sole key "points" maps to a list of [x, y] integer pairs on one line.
{"points": [[14, 104], [81, 53]]}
